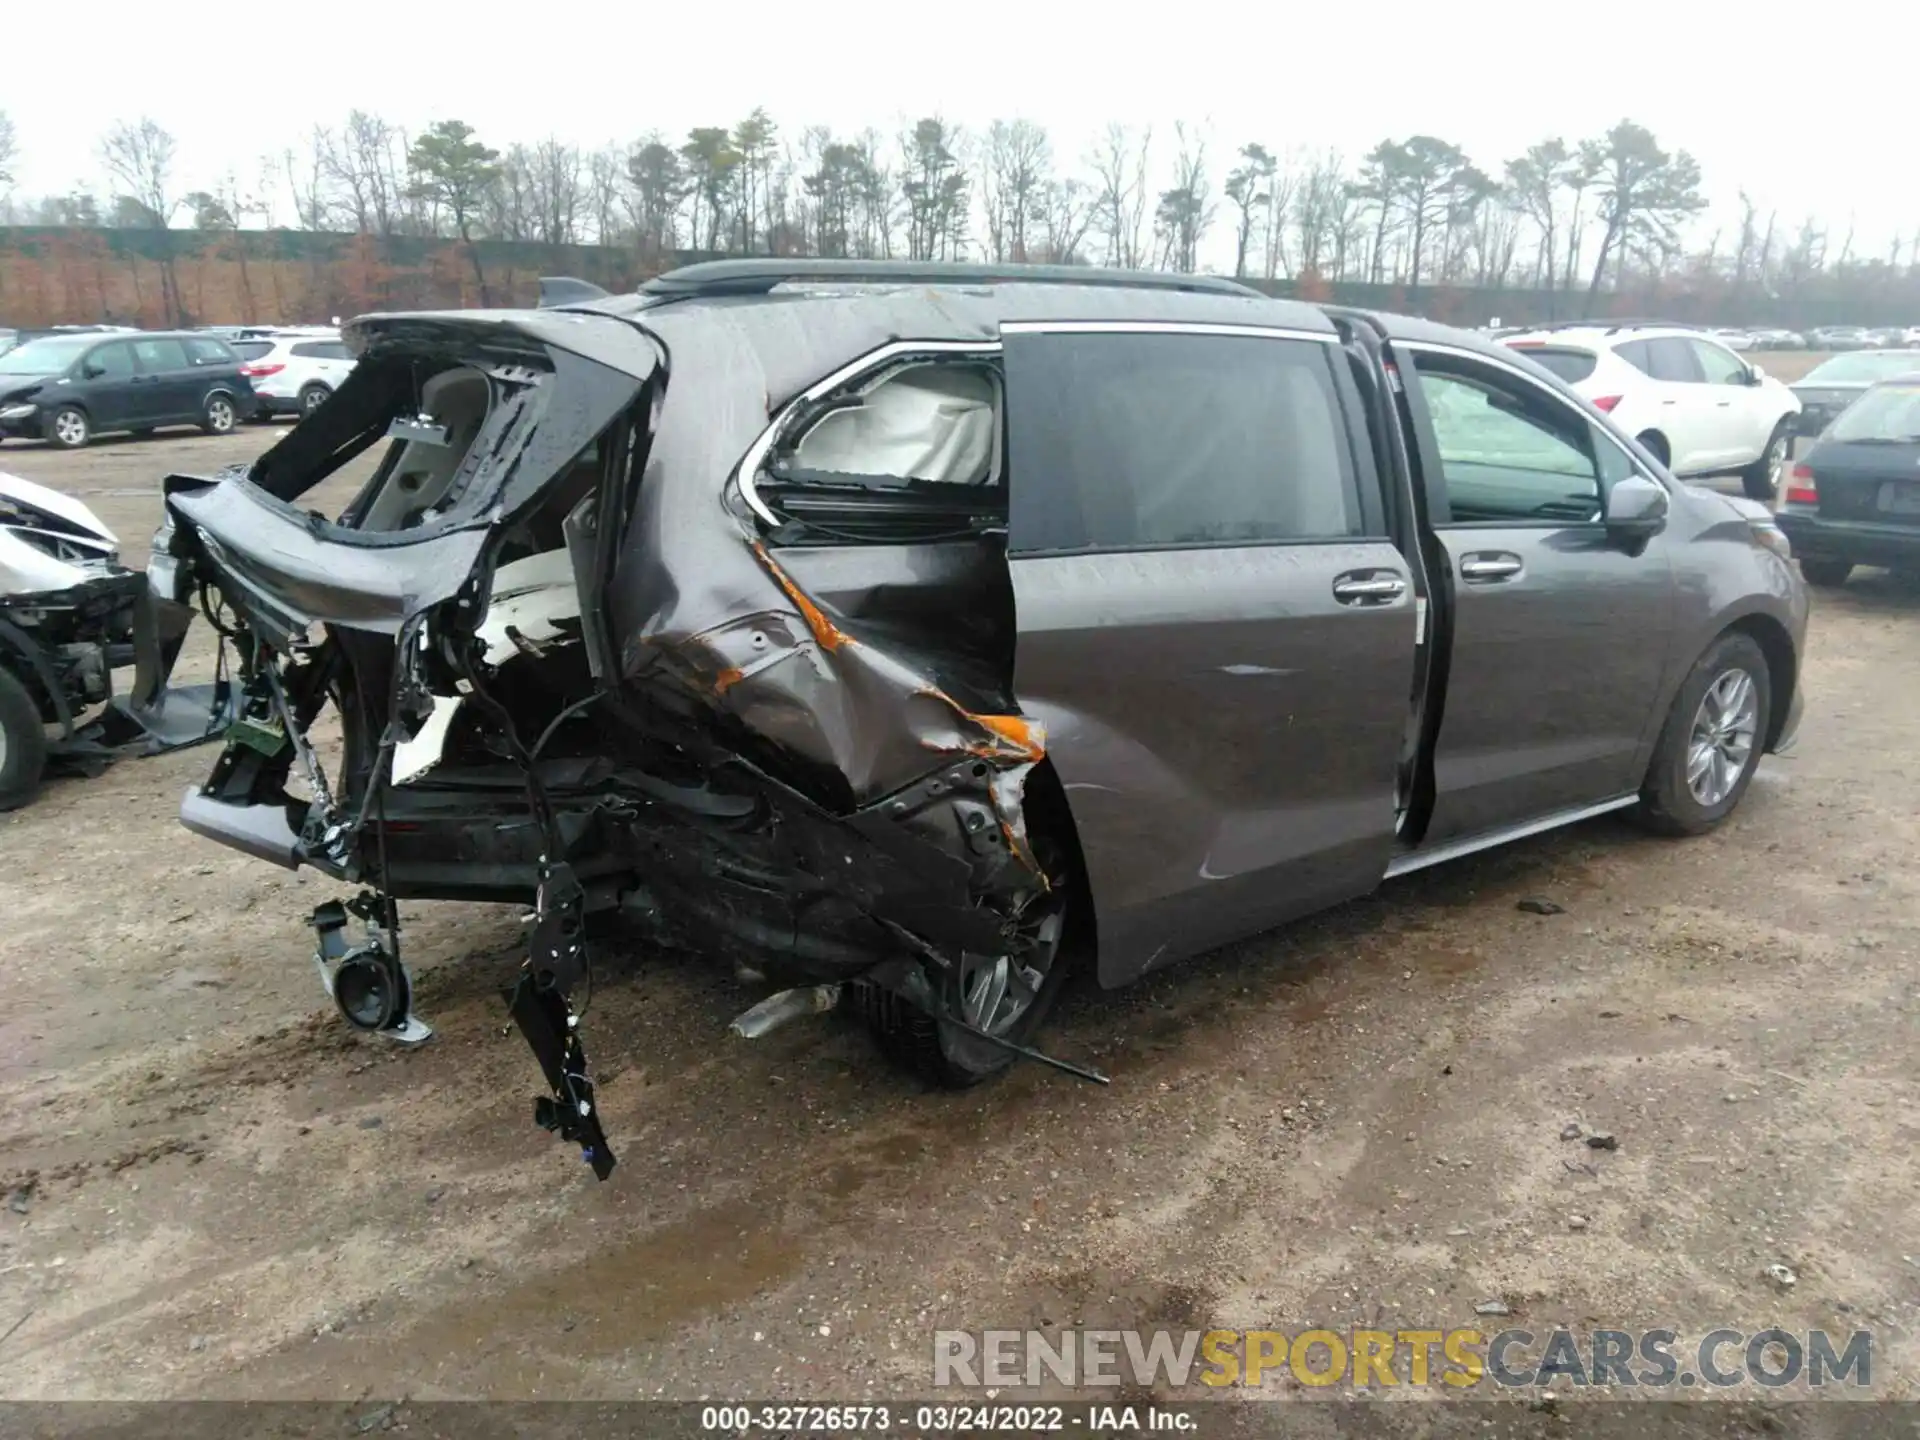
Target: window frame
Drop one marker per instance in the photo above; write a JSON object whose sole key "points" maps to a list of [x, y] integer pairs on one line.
{"points": [[1679, 344], [803, 424], [1700, 343], [186, 360], [1361, 474], [1606, 443], [133, 362]]}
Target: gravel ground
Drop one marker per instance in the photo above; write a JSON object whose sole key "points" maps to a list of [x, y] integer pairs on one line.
{"points": [[218, 1191]]}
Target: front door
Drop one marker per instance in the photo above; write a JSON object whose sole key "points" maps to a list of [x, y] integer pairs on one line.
{"points": [[1559, 633], [1211, 623], [109, 382]]}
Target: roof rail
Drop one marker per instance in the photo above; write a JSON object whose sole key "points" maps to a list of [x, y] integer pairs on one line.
{"points": [[758, 276]]}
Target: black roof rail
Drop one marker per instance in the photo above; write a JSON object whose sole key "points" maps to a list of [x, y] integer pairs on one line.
{"points": [[758, 276], [565, 290]]}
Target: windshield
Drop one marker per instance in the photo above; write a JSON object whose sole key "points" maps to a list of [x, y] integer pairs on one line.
{"points": [[1864, 365], [1884, 413], [44, 357]]}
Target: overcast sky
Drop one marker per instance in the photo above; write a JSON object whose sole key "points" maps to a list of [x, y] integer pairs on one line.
{"points": [[1791, 113]]}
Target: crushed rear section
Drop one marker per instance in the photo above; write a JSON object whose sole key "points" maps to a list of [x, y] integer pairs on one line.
{"points": [[571, 674]]}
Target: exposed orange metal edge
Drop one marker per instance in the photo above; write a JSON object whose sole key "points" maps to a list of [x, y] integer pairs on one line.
{"points": [[830, 636]]}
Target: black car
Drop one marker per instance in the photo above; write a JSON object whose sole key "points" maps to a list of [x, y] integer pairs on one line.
{"points": [[68, 388], [1854, 499]]}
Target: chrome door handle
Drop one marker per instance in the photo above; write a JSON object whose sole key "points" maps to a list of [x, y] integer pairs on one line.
{"points": [[1478, 569], [1362, 589]]}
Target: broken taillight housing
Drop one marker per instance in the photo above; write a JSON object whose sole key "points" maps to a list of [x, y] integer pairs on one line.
{"points": [[1801, 489], [1606, 403], [258, 371]]}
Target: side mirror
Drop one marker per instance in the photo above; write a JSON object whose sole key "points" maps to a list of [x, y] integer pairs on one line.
{"points": [[1636, 508], [93, 370], [1755, 373]]}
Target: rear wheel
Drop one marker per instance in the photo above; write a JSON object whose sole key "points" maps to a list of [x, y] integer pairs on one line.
{"points": [[312, 398], [69, 428], [1005, 995], [1761, 480], [1710, 745], [23, 743], [1826, 572], [218, 416]]}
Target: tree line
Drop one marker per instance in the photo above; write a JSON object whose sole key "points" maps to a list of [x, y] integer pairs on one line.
{"points": [[1569, 218]]}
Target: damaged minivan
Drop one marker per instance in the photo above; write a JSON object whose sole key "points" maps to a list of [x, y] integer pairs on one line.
{"points": [[931, 631]]}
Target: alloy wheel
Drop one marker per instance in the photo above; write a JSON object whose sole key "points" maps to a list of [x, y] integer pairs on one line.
{"points": [[219, 416], [70, 427], [1724, 729]]}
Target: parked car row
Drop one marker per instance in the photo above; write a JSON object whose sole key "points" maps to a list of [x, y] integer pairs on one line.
{"points": [[1824, 337], [67, 386]]}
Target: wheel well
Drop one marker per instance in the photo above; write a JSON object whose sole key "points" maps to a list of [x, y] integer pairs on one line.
{"points": [[1045, 805], [1657, 443], [316, 385], [1782, 667]]}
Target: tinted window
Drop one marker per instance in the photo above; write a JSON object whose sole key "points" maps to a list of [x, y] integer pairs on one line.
{"points": [[1886, 413], [1570, 365], [1635, 353], [161, 354], [1508, 451], [111, 362], [1130, 441], [1718, 366], [249, 350], [321, 350], [208, 352], [1673, 359]]}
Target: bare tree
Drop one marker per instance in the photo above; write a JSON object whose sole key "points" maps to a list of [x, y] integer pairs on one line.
{"points": [[9, 151], [1015, 182], [556, 192], [306, 180], [364, 163], [606, 173], [1119, 166], [1065, 215], [1185, 211], [1249, 187], [138, 155], [936, 188]]}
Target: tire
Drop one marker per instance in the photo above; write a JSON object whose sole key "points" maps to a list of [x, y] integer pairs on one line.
{"points": [[218, 415], [941, 1053], [1826, 573], [23, 743], [1761, 480], [1672, 803], [69, 428], [312, 397], [1655, 442]]}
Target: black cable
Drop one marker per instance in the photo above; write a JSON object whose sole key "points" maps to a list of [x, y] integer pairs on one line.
{"points": [[557, 721]]}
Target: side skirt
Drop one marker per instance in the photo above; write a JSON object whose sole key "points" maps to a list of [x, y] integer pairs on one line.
{"points": [[1486, 840]]}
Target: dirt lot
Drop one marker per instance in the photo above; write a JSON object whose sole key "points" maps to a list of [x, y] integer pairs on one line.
{"points": [[220, 1192]]}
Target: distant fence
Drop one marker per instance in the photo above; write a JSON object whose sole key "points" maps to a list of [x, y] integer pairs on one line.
{"points": [[150, 277]]}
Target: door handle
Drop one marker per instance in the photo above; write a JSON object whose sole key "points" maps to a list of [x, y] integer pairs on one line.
{"points": [[1363, 587], [1488, 567]]}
